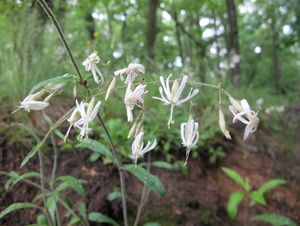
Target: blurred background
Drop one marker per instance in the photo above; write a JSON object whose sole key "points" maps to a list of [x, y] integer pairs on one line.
{"points": [[250, 46]]}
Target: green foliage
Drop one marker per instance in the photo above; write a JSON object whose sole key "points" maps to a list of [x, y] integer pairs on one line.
{"points": [[17, 206], [233, 203], [97, 147], [256, 196], [113, 196], [69, 182], [274, 219], [215, 154], [101, 218], [149, 180]]}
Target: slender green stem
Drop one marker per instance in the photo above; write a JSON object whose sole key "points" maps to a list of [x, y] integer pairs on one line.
{"points": [[170, 121], [54, 172], [43, 189], [143, 196], [118, 161], [61, 35]]}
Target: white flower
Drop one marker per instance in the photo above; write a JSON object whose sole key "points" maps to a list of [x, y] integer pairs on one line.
{"points": [[131, 71], [88, 112], [138, 149], [189, 135], [133, 97], [90, 64], [172, 96], [32, 102], [244, 114]]}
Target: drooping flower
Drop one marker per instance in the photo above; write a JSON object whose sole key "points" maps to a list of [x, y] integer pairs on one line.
{"points": [[131, 71], [222, 125], [88, 112], [90, 64], [33, 102], [189, 136], [172, 96], [138, 149], [133, 97], [242, 112], [75, 116]]}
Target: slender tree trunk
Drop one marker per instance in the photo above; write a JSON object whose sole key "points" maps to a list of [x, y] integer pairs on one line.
{"points": [[90, 25], [233, 50], [151, 33], [275, 57], [178, 38]]}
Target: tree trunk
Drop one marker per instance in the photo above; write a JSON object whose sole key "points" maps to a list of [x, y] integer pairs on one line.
{"points": [[233, 51], [151, 33], [178, 38], [275, 57]]}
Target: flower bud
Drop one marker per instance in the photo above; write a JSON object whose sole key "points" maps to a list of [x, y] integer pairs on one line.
{"points": [[222, 125], [236, 104], [91, 106], [110, 87]]}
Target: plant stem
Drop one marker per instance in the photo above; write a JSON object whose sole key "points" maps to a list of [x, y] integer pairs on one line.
{"points": [[118, 161], [61, 36], [43, 189], [53, 174], [143, 196], [170, 121]]}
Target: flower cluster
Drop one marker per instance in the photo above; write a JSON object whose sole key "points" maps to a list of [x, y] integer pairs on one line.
{"points": [[171, 95]]}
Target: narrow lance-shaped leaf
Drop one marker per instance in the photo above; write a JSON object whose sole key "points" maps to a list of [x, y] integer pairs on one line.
{"points": [[233, 203], [234, 176], [101, 218], [56, 80], [97, 147], [70, 182], [270, 185], [151, 181], [17, 206], [274, 219]]}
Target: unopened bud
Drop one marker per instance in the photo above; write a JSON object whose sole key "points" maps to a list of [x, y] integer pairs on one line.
{"points": [[91, 106], [222, 125], [236, 104], [110, 87]]}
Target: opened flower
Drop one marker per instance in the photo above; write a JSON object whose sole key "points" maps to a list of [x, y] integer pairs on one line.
{"points": [[138, 149], [131, 71], [90, 64], [134, 97], [189, 136], [172, 96], [88, 112], [242, 112]]}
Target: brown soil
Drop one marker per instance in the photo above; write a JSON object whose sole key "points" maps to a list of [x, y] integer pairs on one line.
{"points": [[196, 198]]}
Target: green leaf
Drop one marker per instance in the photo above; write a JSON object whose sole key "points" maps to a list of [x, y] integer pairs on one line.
{"points": [[274, 219], [101, 218], [233, 203], [97, 147], [82, 209], [29, 131], [163, 165], [56, 80], [17, 206], [258, 198], [95, 156], [234, 176], [51, 205], [74, 220], [42, 220], [70, 182], [151, 181], [114, 195], [32, 153], [24, 176], [270, 185]]}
